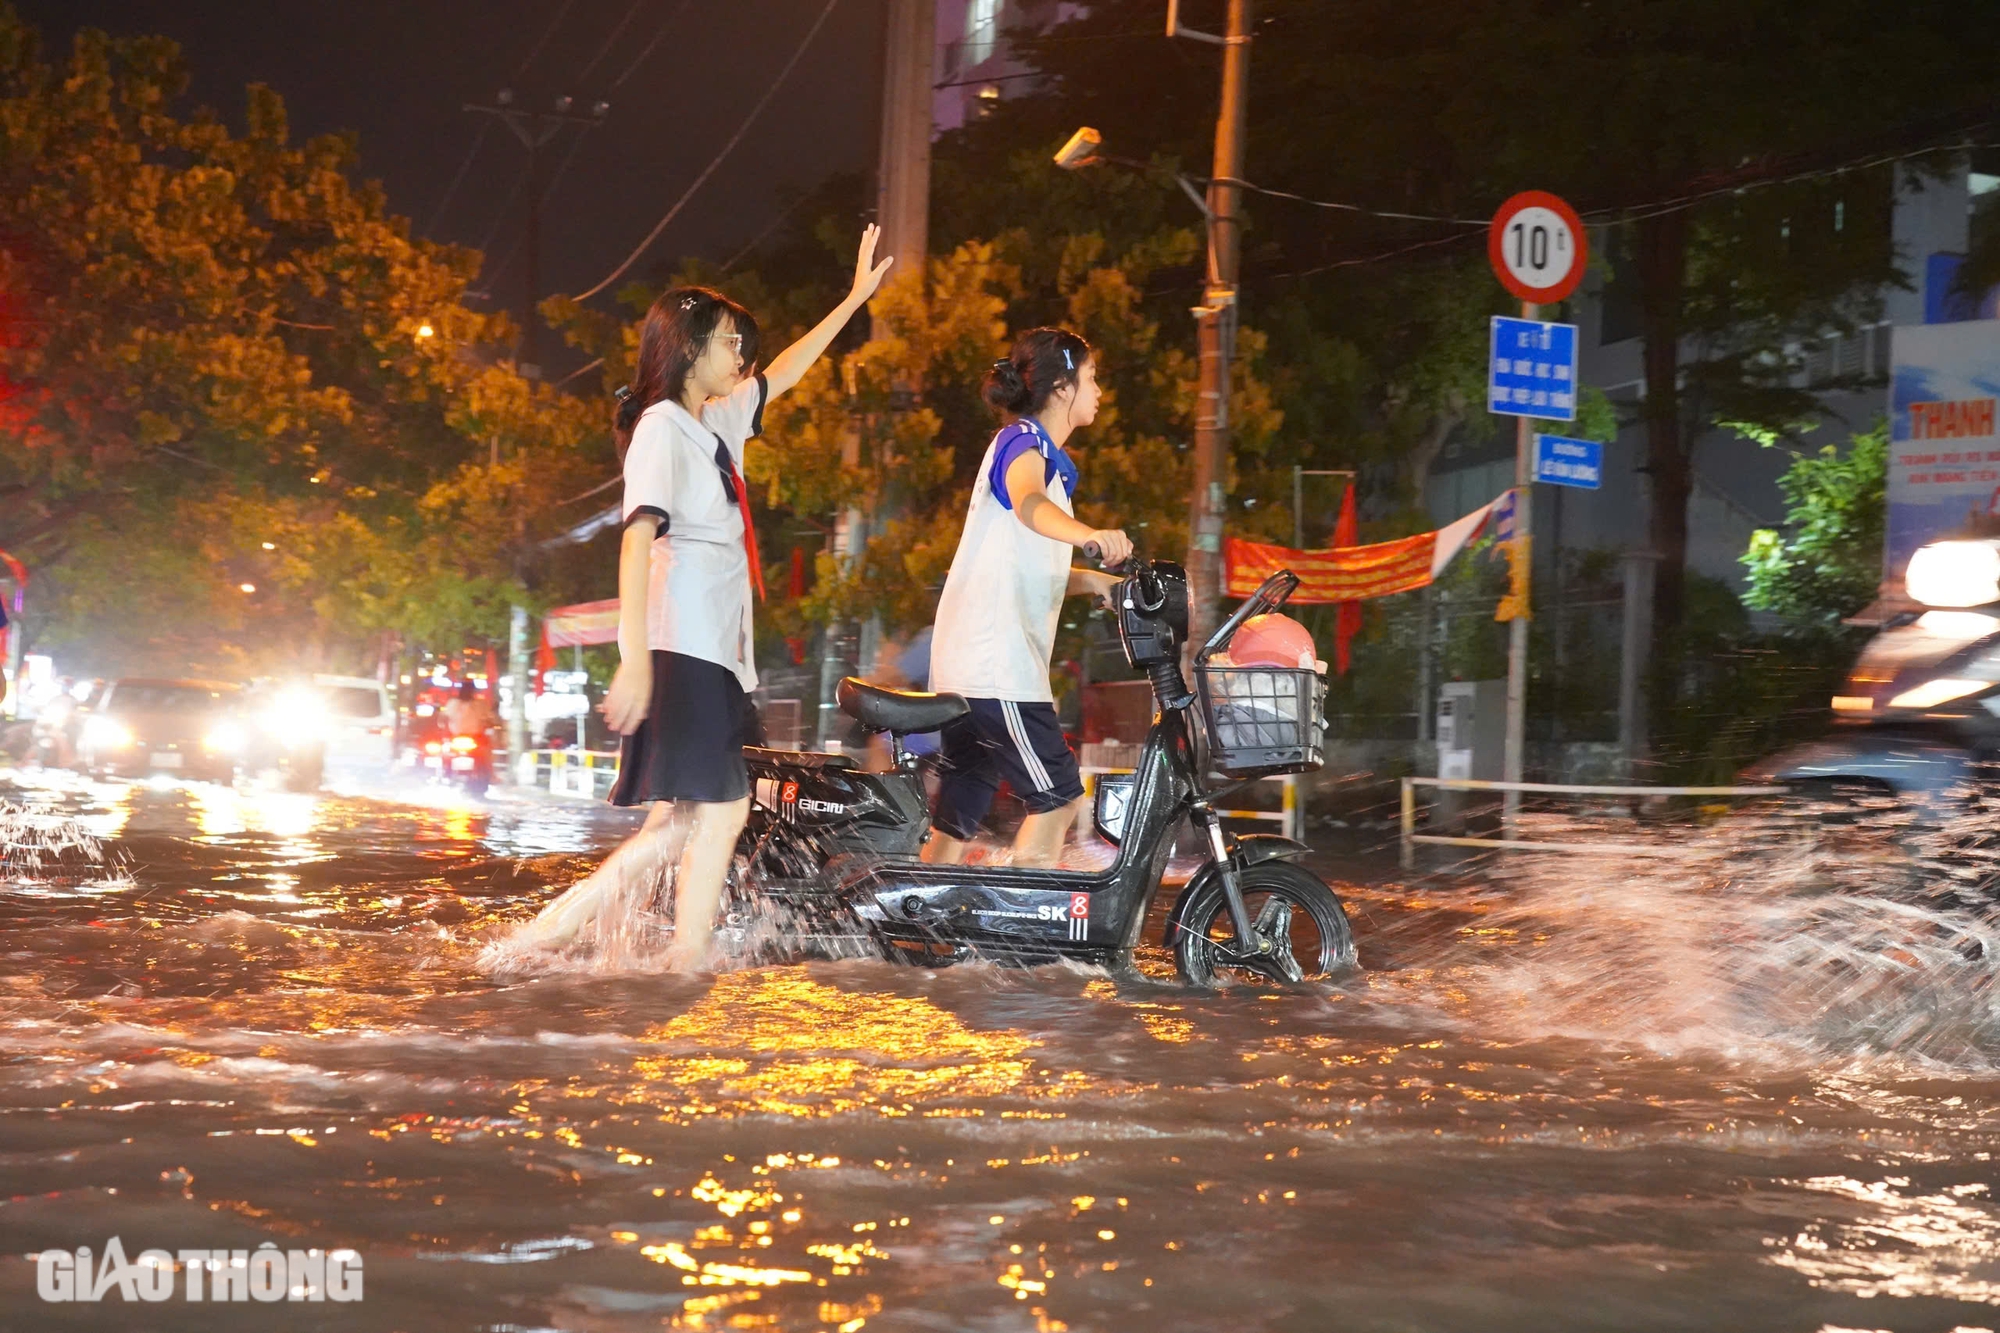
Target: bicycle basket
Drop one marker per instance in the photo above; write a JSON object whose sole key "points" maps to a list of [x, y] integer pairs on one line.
{"points": [[1263, 720]]}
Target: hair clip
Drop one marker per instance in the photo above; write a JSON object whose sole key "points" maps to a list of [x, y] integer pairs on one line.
{"points": [[1067, 363], [622, 392], [1003, 361], [690, 302]]}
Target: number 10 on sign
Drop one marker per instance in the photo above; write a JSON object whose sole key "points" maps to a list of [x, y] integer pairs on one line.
{"points": [[1537, 246]]}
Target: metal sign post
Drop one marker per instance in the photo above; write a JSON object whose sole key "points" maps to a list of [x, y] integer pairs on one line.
{"points": [[1537, 246]]}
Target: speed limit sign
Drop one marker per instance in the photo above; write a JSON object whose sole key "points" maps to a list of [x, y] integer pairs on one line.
{"points": [[1537, 247]]}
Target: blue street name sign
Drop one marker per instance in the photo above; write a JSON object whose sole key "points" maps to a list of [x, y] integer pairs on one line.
{"points": [[1561, 461], [1532, 370]]}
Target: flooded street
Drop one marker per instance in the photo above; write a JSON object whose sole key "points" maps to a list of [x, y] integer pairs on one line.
{"points": [[1570, 1098]]}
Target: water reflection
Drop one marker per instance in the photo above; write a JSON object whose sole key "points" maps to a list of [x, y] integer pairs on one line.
{"points": [[1545, 1107]]}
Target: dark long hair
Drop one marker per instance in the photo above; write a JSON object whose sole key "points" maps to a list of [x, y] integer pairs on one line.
{"points": [[1042, 361], [676, 330]]}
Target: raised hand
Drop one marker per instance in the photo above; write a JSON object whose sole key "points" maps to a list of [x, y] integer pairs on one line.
{"points": [[868, 273]]}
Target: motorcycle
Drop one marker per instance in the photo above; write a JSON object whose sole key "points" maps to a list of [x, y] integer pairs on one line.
{"points": [[459, 761], [1919, 716], [833, 850]]}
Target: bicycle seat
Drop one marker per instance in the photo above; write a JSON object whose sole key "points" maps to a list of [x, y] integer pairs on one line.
{"points": [[898, 711]]}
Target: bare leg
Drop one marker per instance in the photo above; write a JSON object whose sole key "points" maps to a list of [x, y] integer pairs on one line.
{"points": [[617, 888], [1040, 841], [704, 865], [943, 849]]}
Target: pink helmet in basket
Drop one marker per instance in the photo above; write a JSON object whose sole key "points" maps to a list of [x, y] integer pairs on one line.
{"points": [[1272, 641]]}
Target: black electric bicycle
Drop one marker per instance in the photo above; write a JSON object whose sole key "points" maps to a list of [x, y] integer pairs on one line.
{"points": [[833, 851]]}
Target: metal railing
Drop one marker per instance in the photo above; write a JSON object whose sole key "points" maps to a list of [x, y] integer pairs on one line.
{"points": [[1505, 843], [585, 774]]}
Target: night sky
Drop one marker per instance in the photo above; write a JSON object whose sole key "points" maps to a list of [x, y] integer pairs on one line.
{"points": [[397, 71]]}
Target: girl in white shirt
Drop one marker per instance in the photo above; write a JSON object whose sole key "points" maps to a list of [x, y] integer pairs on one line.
{"points": [[686, 572], [996, 620]]}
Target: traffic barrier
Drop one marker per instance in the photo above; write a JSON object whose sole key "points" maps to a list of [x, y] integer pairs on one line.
{"points": [[1511, 844], [583, 774]]}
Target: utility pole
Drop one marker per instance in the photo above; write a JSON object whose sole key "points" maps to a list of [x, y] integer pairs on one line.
{"points": [[1216, 318], [903, 210], [535, 129], [903, 174], [1517, 629]]}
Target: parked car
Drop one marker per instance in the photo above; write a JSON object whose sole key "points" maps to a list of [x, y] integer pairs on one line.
{"points": [[361, 720], [140, 726]]}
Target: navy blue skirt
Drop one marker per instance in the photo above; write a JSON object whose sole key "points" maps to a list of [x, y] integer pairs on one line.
{"points": [[690, 745]]}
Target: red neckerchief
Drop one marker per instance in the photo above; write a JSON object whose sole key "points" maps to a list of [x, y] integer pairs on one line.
{"points": [[732, 481]]}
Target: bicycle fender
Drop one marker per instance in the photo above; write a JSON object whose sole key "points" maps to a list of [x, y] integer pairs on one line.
{"points": [[1251, 849]]}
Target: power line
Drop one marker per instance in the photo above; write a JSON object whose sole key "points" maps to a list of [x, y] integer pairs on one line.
{"points": [[709, 170], [547, 33], [458, 178], [769, 227], [612, 40], [658, 35], [479, 139], [1343, 208], [506, 206]]}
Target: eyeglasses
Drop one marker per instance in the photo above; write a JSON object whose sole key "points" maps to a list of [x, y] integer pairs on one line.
{"points": [[734, 340]]}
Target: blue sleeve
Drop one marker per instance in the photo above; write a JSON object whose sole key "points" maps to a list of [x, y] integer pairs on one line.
{"points": [[1012, 443]]}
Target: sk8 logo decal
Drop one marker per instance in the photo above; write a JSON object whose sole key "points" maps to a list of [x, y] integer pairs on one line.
{"points": [[1079, 916]]}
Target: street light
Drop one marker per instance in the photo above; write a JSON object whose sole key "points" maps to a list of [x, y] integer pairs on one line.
{"points": [[425, 331], [1081, 150], [246, 587]]}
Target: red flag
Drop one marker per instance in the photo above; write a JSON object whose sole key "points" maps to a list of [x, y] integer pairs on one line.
{"points": [[1347, 619]]}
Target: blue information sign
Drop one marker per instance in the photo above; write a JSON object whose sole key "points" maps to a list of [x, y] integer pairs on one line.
{"points": [[1532, 371], [1561, 461]]}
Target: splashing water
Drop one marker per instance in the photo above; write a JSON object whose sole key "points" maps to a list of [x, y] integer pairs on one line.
{"points": [[38, 844], [1787, 934], [1750, 1086]]}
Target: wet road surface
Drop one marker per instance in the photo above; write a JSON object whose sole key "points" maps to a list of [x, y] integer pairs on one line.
{"points": [[1573, 1097]]}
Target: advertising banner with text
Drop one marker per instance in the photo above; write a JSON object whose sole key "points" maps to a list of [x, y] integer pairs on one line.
{"points": [[1944, 451]]}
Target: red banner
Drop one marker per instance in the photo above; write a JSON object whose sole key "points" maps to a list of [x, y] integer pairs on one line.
{"points": [[1343, 574], [585, 623]]}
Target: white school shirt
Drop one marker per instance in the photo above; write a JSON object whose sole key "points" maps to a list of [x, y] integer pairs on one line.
{"points": [[996, 621], [698, 589]]}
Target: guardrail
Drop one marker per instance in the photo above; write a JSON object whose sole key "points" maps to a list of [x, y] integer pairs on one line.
{"points": [[1510, 844], [585, 774]]}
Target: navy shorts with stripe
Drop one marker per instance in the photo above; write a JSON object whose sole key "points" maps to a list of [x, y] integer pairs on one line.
{"points": [[1000, 738]]}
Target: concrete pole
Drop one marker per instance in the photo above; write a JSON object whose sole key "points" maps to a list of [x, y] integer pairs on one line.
{"points": [[903, 174], [517, 681], [1517, 629], [1217, 324]]}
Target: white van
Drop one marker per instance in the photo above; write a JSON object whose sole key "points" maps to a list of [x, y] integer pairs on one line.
{"points": [[360, 720]]}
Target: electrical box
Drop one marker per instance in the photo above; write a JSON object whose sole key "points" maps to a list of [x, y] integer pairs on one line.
{"points": [[1472, 729]]}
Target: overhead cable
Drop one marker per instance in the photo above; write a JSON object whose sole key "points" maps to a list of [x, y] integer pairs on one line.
{"points": [[709, 170], [658, 34], [458, 177]]}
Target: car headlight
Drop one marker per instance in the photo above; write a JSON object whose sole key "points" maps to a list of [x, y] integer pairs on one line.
{"points": [[101, 733], [1934, 692], [1954, 574], [225, 738]]}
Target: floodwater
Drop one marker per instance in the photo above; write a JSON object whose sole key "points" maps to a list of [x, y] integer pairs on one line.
{"points": [[1748, 1088]]}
